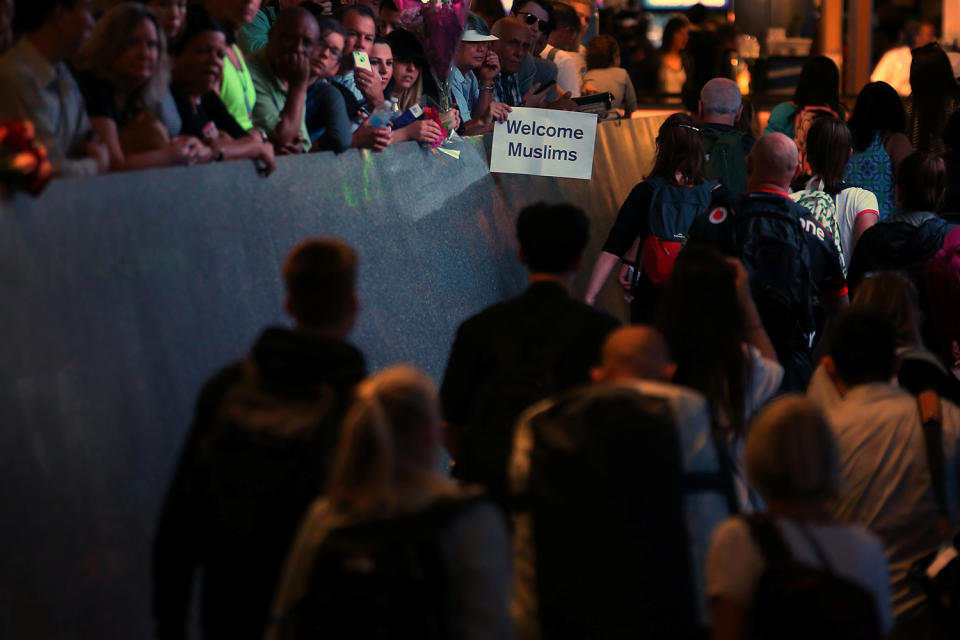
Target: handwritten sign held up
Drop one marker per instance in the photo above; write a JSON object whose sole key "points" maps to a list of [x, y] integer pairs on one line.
{"points": [[545, 142]]}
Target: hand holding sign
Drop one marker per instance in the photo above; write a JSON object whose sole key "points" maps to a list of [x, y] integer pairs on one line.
{"points": [[545, 143]]}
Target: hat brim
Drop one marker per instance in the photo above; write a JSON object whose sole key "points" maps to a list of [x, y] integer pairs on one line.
{"points": [[475, 36]]}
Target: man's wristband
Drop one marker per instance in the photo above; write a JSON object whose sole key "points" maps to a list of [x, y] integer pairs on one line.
{"points": [[489, 87]]}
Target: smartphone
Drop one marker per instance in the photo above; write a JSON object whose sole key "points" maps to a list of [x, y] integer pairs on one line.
{"points": [[545, 87], [361, 61]]}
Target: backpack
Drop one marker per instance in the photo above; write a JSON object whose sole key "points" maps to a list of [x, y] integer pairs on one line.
{"points": [[672, 211], [942, 279], [384, 579], [726, 159], [256, 470], [823, 207], [597, 517], [794, 602], [525, 375], [771, 243], [802, 122]]}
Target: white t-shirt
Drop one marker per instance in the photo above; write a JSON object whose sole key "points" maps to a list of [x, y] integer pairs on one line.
{"points": [[852, 203], [894, 69], [570, 69], [765, 380], [735, 562]]}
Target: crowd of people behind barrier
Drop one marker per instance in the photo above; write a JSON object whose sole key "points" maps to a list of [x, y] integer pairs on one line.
{"points": [[664, 479]]}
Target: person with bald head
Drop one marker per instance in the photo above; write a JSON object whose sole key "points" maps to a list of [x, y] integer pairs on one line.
{"points": [[791, 259], [636, 368], [281, 75], [727, 147], [514, 85]]}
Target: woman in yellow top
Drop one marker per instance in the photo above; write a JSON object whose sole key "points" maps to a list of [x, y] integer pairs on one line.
{"points": [[236, 88]]}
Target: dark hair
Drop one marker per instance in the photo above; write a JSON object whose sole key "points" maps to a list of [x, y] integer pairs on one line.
{"points": [[328, 24], [878, 108], [601, 52], [389, 4], [30, 15], [564, 16], [546, 5], [317, 12], [320, 276], [702, 322], [697, 13], [362, 9], [819, 84], [197, 21], [552, 236], [670, 30], [951, 132], [828, 151], [863, 346], [680, 149], [921, 181], [933, 85]]}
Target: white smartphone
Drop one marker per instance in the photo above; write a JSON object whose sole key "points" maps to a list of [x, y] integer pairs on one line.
{"points": [[361, 61]]}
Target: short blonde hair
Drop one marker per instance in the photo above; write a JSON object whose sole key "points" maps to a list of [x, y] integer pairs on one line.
{"points": [[381, 450], [791, 454]]}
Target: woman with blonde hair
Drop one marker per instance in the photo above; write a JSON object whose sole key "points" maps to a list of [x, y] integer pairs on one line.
{"points": [[385, 489], [125, 76], [792, 460]]}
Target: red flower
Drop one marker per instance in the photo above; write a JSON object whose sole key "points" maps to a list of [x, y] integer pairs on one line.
{"points": [[23, 160]]}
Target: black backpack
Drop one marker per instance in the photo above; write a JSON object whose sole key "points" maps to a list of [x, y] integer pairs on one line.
{"points": [[256, 471], [770, 241], [384, 579], [525, 375], [605, 496], [797, 602]]}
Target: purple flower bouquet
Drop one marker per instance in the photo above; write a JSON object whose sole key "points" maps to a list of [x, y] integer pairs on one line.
{"points": [[438, 25]]}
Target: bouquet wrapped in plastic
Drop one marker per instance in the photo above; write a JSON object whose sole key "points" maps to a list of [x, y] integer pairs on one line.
{"points": [[438, 26], [23, 160]]}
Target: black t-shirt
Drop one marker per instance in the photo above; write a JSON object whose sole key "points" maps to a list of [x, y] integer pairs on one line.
{"points": [[206, 118], [100, 98]]}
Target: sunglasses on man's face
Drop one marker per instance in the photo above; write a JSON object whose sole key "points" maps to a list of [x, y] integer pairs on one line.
{"points": [[531, 18]]}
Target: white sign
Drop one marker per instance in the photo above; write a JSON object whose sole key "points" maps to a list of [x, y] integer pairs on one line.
{"points": [[545, 142]]}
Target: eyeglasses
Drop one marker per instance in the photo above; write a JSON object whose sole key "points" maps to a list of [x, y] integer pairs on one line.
{"points": [[531, 18]]}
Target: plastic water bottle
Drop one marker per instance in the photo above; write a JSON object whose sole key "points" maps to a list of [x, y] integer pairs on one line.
{"points": [[383, 114]]}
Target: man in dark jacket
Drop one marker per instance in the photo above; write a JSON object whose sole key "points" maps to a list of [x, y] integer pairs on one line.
{"points": [[257, 454], [523, 350]]}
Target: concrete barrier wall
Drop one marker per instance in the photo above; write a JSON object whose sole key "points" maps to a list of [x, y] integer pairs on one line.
{"points": [[121, 294]]}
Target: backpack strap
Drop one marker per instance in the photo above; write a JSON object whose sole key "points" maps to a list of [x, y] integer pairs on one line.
{"points": [[553, 54], [721, 481], [928, 404], [816, 546], [764, 533]]}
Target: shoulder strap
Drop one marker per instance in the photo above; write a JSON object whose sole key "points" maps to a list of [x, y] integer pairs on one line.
{"points": [[722, 480], [765, 534], [928, 404], [815, 545], [553, 54]]}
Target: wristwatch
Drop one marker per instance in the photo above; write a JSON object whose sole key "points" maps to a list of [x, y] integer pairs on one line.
{"points": [[489, 87]]}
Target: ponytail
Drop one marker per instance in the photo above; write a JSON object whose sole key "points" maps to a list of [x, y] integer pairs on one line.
{"points": [[381, 442]]}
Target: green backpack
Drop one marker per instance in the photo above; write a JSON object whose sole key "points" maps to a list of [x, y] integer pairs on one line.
{"points": [[823, 208], [726, 159]]}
